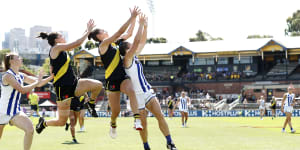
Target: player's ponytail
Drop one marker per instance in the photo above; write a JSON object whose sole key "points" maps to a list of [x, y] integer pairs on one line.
{"points": [[93, 35], [50, 37]]}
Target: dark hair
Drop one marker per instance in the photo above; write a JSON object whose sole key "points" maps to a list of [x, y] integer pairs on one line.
{"points": [[93, 35], [6, 59], [50, 37], [123, 46]]}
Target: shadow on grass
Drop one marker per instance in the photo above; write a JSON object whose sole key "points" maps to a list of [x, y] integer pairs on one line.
{"points": [[70, 143]]}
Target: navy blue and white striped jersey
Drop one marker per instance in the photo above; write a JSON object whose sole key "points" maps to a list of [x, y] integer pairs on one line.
{"points": [[135, 72], [183, 103], [289, 99], [10, 97]]}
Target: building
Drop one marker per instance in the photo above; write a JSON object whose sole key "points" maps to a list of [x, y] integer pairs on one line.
{"points": [[37, 45], [16, 40], [219, 67]]}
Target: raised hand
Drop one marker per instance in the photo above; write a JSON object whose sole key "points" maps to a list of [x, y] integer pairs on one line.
{"points": [[135, 11], [90, 25], [142, 19]]}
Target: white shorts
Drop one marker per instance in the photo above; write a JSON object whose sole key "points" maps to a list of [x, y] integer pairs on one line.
{"points": [[144, 98], [184, 110], [288, 109], [5, 119], [261, 107]]}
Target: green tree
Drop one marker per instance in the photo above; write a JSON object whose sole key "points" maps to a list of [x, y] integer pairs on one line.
{"points": [[256, 36], [203, 36], [46, 66], [200, 36], [293, 24], [89, 45], [157, 40], [76, 50]]}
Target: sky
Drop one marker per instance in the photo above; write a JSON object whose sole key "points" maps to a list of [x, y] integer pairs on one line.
{"points": [[176, 20]]}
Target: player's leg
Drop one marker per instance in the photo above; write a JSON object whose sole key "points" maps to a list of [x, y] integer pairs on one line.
{"points": [[72, 125], [285, 122], [186, 115], [81, 119], [290, 122], [37, 110], [89, 85], [114, 102], [63, 115], [1, 130], [144, 132], [21, 121], [127, 88], [182, 118], [154, 107]]}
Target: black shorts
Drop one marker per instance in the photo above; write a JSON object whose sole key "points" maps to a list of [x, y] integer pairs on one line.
{"points": [[76, 104], [273, 107], [170, 107], [114, 85], [65, 92], [34, 107]]}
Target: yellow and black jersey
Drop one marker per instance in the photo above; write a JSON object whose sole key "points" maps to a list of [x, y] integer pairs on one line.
{"points": [[62, 70], [113, 64], [170, 104]]}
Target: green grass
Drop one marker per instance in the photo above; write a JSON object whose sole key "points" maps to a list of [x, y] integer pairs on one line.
{"points": [[202, 133]]}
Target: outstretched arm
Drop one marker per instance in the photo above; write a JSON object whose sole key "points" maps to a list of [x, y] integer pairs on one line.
{"points": [[70, 46], [144, 38], [105, 43], [130, 54], [129, 31], [9, 79]]}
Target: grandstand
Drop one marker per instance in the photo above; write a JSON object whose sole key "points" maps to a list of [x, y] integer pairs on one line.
{"points": [[220, 68]]}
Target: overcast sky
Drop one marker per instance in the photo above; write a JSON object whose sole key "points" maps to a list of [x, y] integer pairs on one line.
{"points": [[177, 20]]}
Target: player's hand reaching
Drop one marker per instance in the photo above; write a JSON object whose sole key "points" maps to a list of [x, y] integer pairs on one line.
{"points": [[142, 19], [135, 11], [90, 25]]}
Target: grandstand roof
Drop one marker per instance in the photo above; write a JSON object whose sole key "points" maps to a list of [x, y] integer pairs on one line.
{"points": [[214, 46]]}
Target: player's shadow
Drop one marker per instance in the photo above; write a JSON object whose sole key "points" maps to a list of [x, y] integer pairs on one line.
{"points": [[70, 143]]}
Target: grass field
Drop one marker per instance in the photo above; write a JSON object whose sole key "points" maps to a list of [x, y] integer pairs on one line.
{"points": [[201, 134]]}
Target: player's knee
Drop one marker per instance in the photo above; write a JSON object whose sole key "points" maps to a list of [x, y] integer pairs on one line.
{"points": [[61, 122], [30, 130], [99, 85]]}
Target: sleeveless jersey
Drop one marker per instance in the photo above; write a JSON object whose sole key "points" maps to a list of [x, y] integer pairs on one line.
{"points": [[262, 103], [10, 97], [289, 99], [135, 72], [113, 63], [183, 103], [62, 70]]}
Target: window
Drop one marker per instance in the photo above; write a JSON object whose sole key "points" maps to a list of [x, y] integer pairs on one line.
{"points": [[243, 60], [223, 60], [281, 90], [257, 90], [153, 63], [210, 61], [166, 63]]}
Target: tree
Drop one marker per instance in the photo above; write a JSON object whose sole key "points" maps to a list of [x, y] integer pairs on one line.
{"points": [[89, 45], [157, 40], [203, 36], [46, 66], [256, 36], [77, 49], [293, 24]]}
